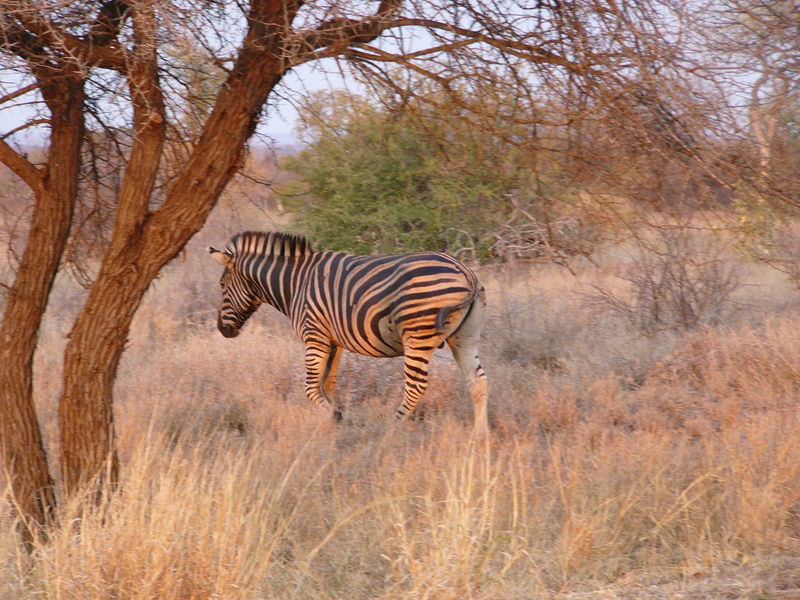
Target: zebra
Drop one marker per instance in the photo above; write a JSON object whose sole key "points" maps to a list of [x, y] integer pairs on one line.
{"points": [[383, 306]]}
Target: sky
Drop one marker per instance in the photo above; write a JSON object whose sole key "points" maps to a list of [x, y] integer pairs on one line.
{"points": [[281, 114], [279, 118]]}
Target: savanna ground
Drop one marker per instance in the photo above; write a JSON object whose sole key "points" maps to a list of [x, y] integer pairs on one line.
{"points": [[626, 460]]}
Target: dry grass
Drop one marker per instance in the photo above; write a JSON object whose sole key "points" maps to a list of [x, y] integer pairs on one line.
{"points": [[620, 466]]}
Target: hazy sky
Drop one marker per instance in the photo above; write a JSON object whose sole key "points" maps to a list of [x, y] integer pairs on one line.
{"points": [[279, 117], [281, 114]]}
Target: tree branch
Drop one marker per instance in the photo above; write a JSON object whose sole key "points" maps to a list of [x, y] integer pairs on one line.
{"points": [[338, 33], [149, 121], [22, 167], [509, 44], [333, 38], [109, 21], [19, 92], [33, 123], [36, 36]]}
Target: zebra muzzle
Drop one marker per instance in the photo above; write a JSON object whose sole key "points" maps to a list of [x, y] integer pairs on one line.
{"points": [[228, 331]]}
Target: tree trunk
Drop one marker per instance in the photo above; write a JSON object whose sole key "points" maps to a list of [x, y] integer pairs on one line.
{"points": [[136, 254], [55, 191]]}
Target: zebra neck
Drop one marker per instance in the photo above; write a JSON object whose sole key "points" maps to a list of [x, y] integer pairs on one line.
{"points": [[278, 281]]}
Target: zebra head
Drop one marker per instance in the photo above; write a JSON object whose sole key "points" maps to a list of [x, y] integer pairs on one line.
{"points": [[238, 299]]}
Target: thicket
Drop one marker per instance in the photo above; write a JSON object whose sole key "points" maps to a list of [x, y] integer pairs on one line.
{"points": [[678, 279], [382, 177]]}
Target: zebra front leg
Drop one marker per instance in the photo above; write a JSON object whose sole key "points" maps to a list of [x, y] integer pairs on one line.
{"points": [[415, 369], [321, 362], [329, 380]]}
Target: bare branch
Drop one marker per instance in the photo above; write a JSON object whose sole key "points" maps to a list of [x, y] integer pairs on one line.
{"points": [[109, 21], [35, 32], [20, 92], [338, 33], [25, 126], [514, 47], [21, 166]]}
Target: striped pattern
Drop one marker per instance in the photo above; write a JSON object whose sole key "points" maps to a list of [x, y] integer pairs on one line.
{"points": [[400, 305]]}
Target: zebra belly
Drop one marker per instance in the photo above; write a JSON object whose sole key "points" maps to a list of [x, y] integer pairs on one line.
{"points": [[380, 339]]}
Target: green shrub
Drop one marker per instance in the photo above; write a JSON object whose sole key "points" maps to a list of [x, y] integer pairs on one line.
{"points": [[376, 181]]}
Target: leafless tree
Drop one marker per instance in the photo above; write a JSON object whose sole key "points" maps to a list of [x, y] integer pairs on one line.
{"points": [[748, 53]]}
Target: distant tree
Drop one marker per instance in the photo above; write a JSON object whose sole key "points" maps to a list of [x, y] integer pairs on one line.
{"points": [[751, 51], [751, 54], [392, 179]]}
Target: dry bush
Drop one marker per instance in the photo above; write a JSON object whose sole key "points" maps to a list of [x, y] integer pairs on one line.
{"points": [[715, 378], [524, 237], [678, 281], [781, 249]]}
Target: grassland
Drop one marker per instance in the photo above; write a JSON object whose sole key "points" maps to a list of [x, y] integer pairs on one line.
{"points": [[620, 465]]}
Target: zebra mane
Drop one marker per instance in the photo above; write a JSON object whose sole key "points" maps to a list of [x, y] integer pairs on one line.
{"points": [[269, 243]]}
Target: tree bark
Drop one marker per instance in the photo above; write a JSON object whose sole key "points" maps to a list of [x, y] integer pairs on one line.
{"points": [[55, 191], [137, 253]]}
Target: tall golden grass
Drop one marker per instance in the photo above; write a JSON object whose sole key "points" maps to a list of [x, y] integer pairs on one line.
{"points": [[615, 460]]}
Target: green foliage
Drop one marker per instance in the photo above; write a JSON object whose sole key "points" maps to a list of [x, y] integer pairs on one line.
{"points": [[375, 181]]}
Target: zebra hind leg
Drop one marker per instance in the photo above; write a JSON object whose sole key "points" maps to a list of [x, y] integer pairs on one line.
{"points": [[415, 368], [464, 345], [466, 356]]}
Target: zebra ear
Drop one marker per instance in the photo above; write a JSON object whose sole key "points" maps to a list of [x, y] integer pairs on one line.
{"points": [[223, 258]]}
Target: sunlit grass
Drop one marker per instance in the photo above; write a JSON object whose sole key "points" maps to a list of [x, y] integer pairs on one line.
{"points": [[614, 458]]}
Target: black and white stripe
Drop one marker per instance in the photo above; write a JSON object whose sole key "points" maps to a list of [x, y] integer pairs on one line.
{"points": [[399, 305]]}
